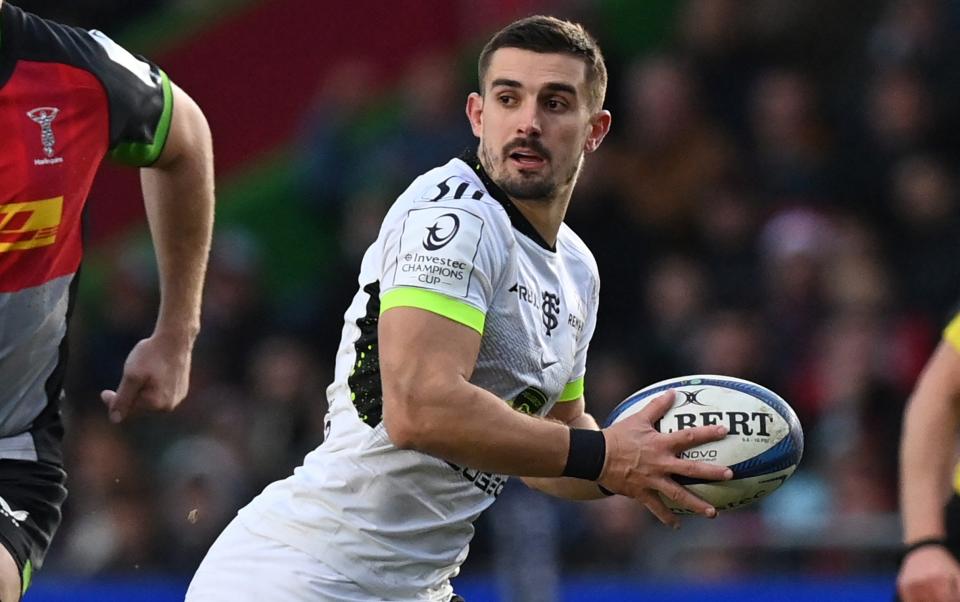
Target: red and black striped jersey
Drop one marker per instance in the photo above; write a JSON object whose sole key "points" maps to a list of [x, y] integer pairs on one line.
{"points": [[68, 98]]}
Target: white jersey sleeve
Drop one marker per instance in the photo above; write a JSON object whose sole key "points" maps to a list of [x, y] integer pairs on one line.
{"points": [[444, 256]]}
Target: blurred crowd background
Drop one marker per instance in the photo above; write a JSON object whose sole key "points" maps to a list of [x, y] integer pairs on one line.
{"points": [[777, 200]]}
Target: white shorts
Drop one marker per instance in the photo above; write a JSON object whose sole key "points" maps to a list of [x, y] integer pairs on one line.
{"points": [[242, 566]]}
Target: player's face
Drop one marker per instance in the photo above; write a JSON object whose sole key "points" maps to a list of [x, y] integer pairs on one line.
{"points": [[535, 122]]}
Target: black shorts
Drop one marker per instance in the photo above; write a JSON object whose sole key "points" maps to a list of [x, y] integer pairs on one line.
{"points": [[951, 522], [32, 493]]}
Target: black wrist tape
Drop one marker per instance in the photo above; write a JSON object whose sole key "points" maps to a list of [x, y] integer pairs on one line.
{"points": [[588, 452], [922, 543]]}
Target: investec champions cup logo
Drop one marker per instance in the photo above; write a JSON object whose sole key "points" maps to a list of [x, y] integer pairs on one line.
{"points": [[44, 116], [441, 232]]}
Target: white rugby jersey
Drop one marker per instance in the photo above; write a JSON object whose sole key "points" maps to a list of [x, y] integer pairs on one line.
{"points": [[399, 522]]}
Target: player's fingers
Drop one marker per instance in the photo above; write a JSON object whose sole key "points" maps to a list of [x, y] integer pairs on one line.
{"points": [[701, 470], [935, 591], [120, 403], [659, 406], [951, 589], [905, 591], [922, 591], [925, 589], [683, 497], [655, 505], [686, 438]]}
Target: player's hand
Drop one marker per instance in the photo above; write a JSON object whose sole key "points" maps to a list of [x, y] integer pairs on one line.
{"points": [[642, 461], [929, 574], [156, 376]]}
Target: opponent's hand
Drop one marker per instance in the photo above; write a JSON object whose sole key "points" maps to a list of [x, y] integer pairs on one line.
{"points": [[929, 574], [156, 376], [642, 461]]}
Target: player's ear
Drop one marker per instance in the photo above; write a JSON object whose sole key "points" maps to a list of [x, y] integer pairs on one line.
{"points": [[475, 113], [599, 126]]}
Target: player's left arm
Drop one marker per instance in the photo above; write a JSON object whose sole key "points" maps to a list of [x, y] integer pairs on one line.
{"points": [[179, 199], [572, 413]]}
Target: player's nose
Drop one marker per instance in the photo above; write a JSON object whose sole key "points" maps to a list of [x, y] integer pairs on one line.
{"points": [[529, 123]]}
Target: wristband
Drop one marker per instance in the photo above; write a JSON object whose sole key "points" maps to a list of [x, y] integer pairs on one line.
{"points": [[587, 454], [923, 543]]}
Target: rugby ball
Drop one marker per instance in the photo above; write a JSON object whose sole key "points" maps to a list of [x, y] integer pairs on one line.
{"points": [[763, 446]]}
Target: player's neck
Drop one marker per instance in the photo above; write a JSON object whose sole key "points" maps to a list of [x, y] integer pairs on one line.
{"points": [[546, 215]]}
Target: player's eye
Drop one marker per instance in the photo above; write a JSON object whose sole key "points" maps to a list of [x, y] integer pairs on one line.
{"points": [[506, 100], [555, 104]]}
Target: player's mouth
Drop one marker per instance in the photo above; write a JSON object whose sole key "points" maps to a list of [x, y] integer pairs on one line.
{"points": [[527, 159]]}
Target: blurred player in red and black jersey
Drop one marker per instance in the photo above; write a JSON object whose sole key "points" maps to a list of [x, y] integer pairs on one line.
{"points": [[68, 98], [930, 571]]}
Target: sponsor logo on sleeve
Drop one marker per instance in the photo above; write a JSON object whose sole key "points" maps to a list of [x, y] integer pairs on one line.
{"points": [[441, 232], [438, 248]]}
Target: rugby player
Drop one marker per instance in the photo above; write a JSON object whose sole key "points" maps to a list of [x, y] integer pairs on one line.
{"points": [[69, 98], [462, 360], [929, 570]]}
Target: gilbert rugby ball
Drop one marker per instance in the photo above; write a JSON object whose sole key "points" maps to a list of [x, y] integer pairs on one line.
{"points": [[763, 446]]}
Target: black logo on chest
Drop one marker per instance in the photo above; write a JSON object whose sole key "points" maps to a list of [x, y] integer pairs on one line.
{"points": [[548, 303], [550, 307]]}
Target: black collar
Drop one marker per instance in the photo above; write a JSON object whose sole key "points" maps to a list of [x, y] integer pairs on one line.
{"points": [[517, 219], [10, 17]]}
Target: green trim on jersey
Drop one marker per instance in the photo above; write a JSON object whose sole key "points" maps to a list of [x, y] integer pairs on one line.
{"points": [[951, 333], [140, 154], [26, 577], [573, 391], [436, 303]]}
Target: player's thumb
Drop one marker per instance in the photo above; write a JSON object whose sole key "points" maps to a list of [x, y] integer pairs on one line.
{"points": [[120, 402]]}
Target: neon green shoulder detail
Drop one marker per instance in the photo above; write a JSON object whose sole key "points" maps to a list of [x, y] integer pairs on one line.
{"points": [[437, 303]]}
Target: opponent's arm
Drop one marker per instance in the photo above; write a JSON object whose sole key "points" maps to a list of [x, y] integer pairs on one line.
{"points": [[927, 451], [429, 405], [179, 200]]}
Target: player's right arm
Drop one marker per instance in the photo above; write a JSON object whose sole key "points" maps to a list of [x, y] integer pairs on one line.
{"points": [[179, 199], [429, 405], [927, 450], [154, 125]]}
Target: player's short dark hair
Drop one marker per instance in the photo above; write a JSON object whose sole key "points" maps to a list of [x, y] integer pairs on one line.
{"points": [[551, 35]]}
